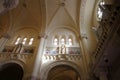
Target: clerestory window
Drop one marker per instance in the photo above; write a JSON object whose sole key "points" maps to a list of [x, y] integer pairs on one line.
{"points": [[62, 41], [31, 41], [18, 40], [24, 41], [55, 41], [69, 41]]}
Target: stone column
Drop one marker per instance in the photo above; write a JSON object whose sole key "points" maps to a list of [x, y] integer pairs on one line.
{"points": [[84, 56], [38, 61], [3, 41]]}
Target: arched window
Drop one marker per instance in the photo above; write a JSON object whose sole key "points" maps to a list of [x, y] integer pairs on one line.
{"points": [[18, 40], [55, 41], [99, 11], [70, 41], [31, 41], [24, 41], [62, 41]]}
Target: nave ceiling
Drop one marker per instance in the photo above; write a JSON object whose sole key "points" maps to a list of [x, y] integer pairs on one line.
{"points": [[42, 14], [62, 13], [26, 14]]}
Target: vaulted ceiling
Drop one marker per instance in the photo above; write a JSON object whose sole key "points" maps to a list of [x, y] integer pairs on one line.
{"points": [[26, 14], [62, 12], [39, 14]]}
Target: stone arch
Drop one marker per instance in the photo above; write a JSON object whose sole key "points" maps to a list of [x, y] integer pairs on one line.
{"points": [[19, 62], [13, 70], [62, 73], [45, 72]]}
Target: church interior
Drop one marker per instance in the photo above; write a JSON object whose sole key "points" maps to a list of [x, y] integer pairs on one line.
{"points": [[59, 40]]}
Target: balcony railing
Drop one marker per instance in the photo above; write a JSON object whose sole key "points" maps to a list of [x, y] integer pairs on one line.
{"points": [[17, 52], [18, 49], [15, 56], [58, 50], [69, 57], [55, 53]]}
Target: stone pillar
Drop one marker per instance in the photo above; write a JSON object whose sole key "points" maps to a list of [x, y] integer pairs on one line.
{"points": [[3, 41], [38, 61], [84, 56]]}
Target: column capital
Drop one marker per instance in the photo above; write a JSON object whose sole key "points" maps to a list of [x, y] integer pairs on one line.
{"points": [[43, 35], [83, 36]]}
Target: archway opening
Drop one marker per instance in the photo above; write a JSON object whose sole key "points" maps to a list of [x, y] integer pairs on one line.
{"points": [[11, 71], [63, 72]]}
